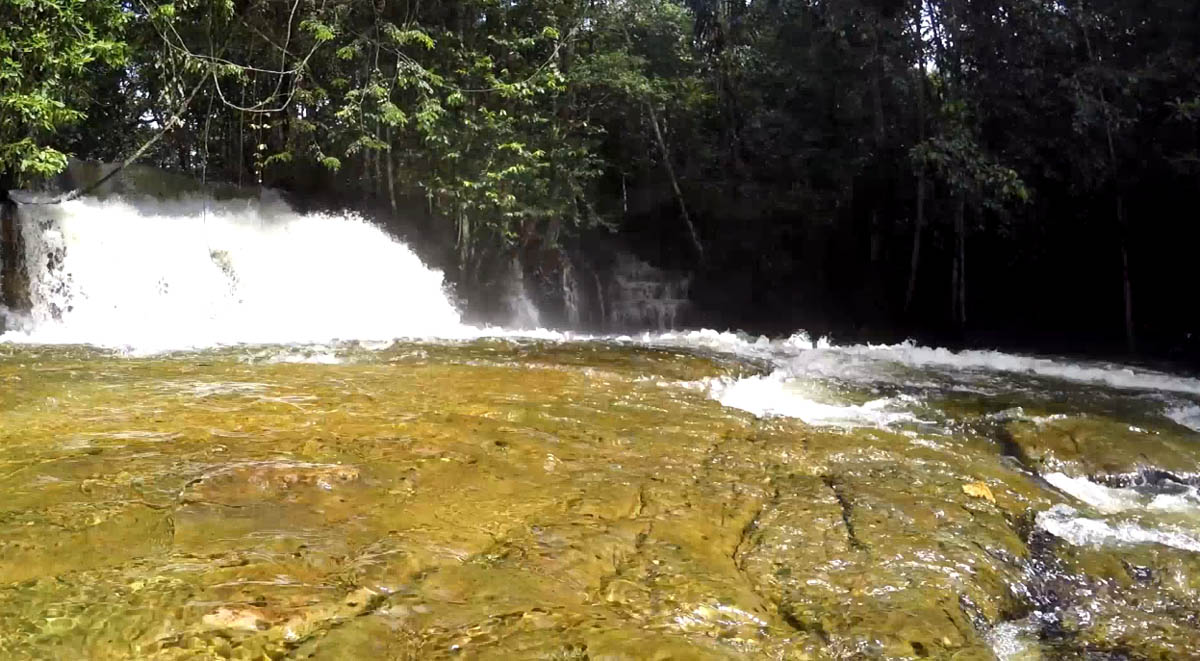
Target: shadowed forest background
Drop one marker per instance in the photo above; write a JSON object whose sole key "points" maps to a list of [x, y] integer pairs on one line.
{"points": [[1008, 172]]}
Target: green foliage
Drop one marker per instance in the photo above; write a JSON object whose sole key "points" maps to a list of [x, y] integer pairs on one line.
{"points": [[959, 162], [1186, 111], [409, 37], [319, 31], [787, 127], [49, 52]]}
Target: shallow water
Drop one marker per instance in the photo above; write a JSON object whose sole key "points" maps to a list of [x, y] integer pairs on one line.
{"points": [[601, 499]]}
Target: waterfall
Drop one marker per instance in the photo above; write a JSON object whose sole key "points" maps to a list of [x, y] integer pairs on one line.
{"points": [[642, 296], [571, 294], [522, 312], [198, 272]]}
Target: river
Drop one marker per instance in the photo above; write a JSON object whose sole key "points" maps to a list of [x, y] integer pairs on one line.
{"points": [[231, 431]]}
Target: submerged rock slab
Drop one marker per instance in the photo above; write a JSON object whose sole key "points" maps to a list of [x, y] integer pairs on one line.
{"points": [[499, 500], [877, 564], [245, 484], [1103, 448], [1139, 601]]}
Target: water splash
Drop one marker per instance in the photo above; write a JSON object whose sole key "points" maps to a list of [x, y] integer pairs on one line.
{"points": [[1106, 374], [1105, 500], [1187, 415], [192, 272], [1064, 522], [773, 395], [1016, 641]]}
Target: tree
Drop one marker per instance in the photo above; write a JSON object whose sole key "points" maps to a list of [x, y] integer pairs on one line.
{"points": [[51, 51], [811, 161]]}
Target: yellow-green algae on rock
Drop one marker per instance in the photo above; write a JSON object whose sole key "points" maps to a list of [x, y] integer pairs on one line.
{"points": [[503, 500]]}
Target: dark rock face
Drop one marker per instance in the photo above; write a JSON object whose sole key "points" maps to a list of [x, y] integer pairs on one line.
{"points": [[606, 288], [141, 180], [642, 296], [14, 281]]}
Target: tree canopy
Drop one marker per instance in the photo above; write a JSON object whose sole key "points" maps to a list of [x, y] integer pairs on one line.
{"points": [[50, 51], [927, 165]]}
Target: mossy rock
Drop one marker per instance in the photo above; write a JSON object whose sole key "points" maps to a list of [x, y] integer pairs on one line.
{"points": [[1102, 448], [1138, 602], [889, 563]]}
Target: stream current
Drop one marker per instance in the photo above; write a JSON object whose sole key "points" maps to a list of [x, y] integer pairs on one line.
{"points": [[213, 445]]}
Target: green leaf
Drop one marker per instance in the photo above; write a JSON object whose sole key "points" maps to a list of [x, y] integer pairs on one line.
{"points": [[319, 31], [412, 36]]}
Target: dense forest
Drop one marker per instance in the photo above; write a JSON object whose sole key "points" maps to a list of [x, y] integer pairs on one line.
{"points": [[1018, 172]]}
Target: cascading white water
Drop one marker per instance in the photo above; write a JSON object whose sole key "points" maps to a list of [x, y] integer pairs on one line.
{"points": [[195, 272], [522, 313], [156, 275], [643, 296]]}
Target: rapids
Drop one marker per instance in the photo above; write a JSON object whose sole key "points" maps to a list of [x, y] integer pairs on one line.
{"points": [[228, 430]]}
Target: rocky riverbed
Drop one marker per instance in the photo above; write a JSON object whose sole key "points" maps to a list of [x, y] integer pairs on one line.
{"points": [[569, 500]]}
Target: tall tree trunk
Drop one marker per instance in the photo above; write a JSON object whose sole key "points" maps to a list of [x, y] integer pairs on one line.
{"points": [[919, 225], [227, 147], [915, 262], [241, 148], [958, 269], [954, 288], [600, 300], [960, 228], [879, 177], [368, 168], [876, 239], [1121, 225], [391, 174], [380, 154], [1123, 228], [727, 94], [666, 156]]}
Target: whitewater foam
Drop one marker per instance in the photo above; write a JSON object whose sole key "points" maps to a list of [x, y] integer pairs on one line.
{"points": [[1104, 499], [774, 395], [307, 355], [905, 366], [898, 361], [801, 356], [193, 272], [1187, 415], [1015, 641], [1065, 522], [150, 276]]}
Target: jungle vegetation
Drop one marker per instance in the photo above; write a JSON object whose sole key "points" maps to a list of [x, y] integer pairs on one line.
{"points": [[957, 168]]}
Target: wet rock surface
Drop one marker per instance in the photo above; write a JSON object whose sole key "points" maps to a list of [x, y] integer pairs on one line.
{"points": [[1135, 602], [503, 500], [1107, 450]]}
